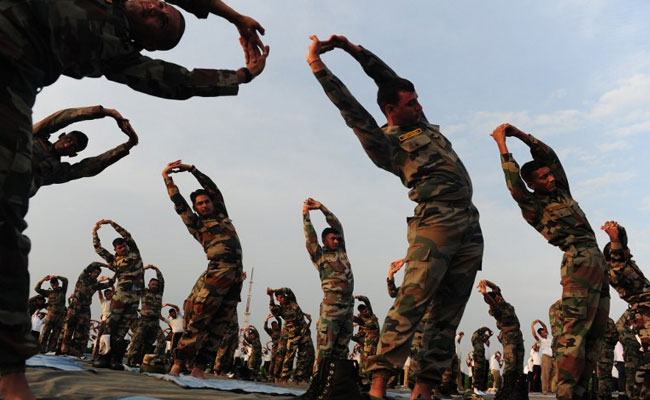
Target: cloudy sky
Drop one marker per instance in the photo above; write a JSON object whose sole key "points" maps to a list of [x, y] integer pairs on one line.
{"points": [[575, 73]]}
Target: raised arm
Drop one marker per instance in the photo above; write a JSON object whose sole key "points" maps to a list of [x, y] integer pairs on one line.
{"points": [[180, 204], [390, 280], [365, 301], [102, 252], [125, 235], [268, 330], [482, 288], [532, 329], [40, 290], [356, 117], [529, 206], [64, 283], [159, 276], [311, 238], [544, 154]]}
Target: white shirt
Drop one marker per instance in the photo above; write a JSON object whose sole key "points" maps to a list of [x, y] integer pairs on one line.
{"points": [[618, 352], [536, 357], [457, 344], [176, 323], [106, 308], [545, 346], [529, 365], [37, 322], [494, 364]]}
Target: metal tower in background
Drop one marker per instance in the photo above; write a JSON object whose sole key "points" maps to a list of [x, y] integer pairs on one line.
{"points": [[248, 302]]}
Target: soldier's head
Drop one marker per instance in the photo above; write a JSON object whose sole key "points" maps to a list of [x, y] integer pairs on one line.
{"points": [[54, 283], [108, 294], [398, 100], [153, 284], [282, 298], [202, 202], [154, 24], [40, 300], [93, 270], [538, 177], [622, 238], [363, 310], [69, 144], [274, 325], [120, 246], [331, 238], [542, 332]]}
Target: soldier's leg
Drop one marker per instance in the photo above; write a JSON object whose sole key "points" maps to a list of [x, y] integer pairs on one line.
{"points": [[289, 355], [585, 310], [82, 332], [305, 360], [136, 343], [69, 327], [217, 328], [48, 325], [205, 301], [642, 328], [55, 335], [279, 357]]}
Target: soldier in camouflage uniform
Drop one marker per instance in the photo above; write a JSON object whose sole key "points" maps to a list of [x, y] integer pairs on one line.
{"points": [[213, 300], [252, 340], [335, 272], [47, 168], [480, 374], [275, 332], [225, 353], [445, 241], [631, 354], [511, 339], [77, 321], [36, 303], [129, 272], [55, 310], [551, 210], [42, 40], [606, 361], [632, 286], [556, 323], [148, 325], [296, 332], [368, 334]]}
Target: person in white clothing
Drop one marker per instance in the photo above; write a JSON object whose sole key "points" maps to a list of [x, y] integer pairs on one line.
{"points": [[496, 362], [38, 318], [542, 338], [536, 384], [175, 322]]}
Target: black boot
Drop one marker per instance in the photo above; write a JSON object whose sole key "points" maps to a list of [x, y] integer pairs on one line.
{"points": [[118, 348], [339, 381], [521, 388], [102, 361], [315, 387]]}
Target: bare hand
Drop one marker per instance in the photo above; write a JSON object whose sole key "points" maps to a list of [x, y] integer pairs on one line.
{"points": [[249, 29], [316, 48], [269, 291], [499, 133], [255, 59], [395, 266], [243, 276], [341, 42], [611, 228]]}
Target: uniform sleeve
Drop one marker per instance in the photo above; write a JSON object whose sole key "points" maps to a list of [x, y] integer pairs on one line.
{"points": [[181, 206], [356, 117], [544, 154], [365, 301], [65, 172], [40, 290], [267, 329], [63, 118], [161, 281], [64, 285], [211, 187], [102, 252], [170, 81], [374, 67], [392, 289], [127, 236], [334, 223], [311, 238], [529, 206], [617, 260]]}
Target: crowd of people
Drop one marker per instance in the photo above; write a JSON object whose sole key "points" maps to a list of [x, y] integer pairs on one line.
{"points": [[40, 42]]}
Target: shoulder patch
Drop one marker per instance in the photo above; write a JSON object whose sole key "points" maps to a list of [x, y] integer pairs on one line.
{"points": [[410, 134]]}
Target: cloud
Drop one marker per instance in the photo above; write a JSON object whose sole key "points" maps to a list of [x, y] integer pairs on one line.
{"points": [[611, 146], [630, 99]]}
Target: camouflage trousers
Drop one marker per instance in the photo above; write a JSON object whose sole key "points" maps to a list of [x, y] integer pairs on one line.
{"points": [[641, 322], [76, 330], [604, 370], [334, 330], [52, 328], [124, 311], [369, 349], [513, 352], [226, 352], [20, 80], [209, 311], [556, 322], [254, 361], [480, 373], [302, 345], [632, 357], [585, 310], [278, 357], [444, 255], [415, 347], [147, 331]]}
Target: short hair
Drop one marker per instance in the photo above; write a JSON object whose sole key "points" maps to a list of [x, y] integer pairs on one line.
{"points": [[540, 330], [108, 290], [327, 231], [54, 281], [197, 193], [361, 307], [529, 168], [118, 241], [153, 279], [82, 139], [388, 92], [172, 42]]}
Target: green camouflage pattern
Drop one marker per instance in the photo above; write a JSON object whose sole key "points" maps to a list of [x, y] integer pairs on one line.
{"points": [[225, 353], [151, 300], [480, 372], [391, 287], [334, 330], [626, 277], [510, 337], [148, 325], [276, 337], [585, 290], [556, 322], [631, 353], [255, 356], [606, 361], [47, 167], [55, 318], [278, 360], [33, 305], [368, 333]]}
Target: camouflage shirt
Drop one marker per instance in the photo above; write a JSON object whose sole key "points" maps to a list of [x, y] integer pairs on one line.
{"points": [[556, 216], [368, 325], [216, 233], [274, 334], [151, 301], [294, 318], [33, 305], [505, 316], [419, 154], [255, 343], [91, 38], [392, 289], [480, 336], [626, 334], [611, 334], [128, 269], [86, 286], [627, 278], [333, 266], [55, 297], [46, 164]]}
